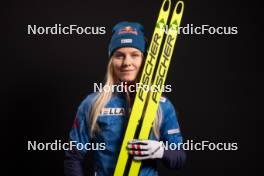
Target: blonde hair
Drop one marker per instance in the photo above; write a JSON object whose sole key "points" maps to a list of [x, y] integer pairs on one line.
{"points": [[102, 99]]}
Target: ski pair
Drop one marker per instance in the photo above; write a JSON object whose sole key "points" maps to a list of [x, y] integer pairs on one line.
{"points": [[146, 102]]}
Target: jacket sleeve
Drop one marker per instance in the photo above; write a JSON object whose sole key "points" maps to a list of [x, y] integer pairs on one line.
{"points": [[74, 163], [173, 158], [75, 158]]}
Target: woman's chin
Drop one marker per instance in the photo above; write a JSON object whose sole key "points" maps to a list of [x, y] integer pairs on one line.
{"points": [[128, 79]]}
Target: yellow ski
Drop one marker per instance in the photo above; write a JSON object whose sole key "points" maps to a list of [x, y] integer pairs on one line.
{"points": [[145, 80], [159, 80]]}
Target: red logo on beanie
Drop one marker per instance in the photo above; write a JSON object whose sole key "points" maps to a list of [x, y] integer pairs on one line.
{"points": [[128, 30]]}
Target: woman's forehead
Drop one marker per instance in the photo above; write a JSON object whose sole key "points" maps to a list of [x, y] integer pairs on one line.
{"points": [[127, 50]]}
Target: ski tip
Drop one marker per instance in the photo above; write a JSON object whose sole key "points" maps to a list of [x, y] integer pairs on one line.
{"points": [[166, 5], [179, 7]]}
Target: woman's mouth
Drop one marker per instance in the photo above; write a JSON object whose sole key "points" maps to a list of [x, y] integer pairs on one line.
{"points": [[126, 71]]}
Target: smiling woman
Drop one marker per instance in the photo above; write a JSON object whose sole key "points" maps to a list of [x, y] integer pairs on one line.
{"points": [[102, 117], [127, 62]]}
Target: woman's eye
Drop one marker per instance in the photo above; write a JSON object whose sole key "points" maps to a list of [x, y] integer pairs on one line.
{"points": [[119, 56], [135, 55]]}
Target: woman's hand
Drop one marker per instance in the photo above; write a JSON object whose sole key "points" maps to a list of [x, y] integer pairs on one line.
{"points": [[145, 149]]}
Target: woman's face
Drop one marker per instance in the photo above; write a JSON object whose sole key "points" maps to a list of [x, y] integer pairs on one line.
{"points": [[126, 63]]}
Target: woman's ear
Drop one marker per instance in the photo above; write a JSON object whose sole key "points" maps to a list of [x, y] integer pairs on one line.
{"points": [[141, 68]]}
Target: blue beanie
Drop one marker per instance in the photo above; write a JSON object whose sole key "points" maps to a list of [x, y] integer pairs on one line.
{"points": [[127, 34]]}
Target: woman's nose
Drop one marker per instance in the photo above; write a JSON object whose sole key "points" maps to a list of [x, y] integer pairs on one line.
{"points": [[127, 61]]}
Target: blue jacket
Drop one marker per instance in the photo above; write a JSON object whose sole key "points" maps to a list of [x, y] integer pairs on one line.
{"points": [[112, 122]]}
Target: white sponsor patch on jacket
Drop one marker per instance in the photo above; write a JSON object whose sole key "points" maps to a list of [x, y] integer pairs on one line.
{"points": [[162, 99], [173, 131], [113, 111]]}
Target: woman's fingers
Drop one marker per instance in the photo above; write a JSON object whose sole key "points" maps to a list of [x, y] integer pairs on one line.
{"points": [[138, 152], [145, 149], [137, 147]]}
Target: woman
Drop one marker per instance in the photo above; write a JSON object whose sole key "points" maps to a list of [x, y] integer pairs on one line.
{"points": [[102, 117]]}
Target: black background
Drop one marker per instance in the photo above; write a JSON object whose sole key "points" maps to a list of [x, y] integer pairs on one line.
{"points": [[213, 78]]}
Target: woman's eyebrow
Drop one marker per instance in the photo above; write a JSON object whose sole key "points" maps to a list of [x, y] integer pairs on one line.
{"points": [[135, 52], [118, 53]]}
